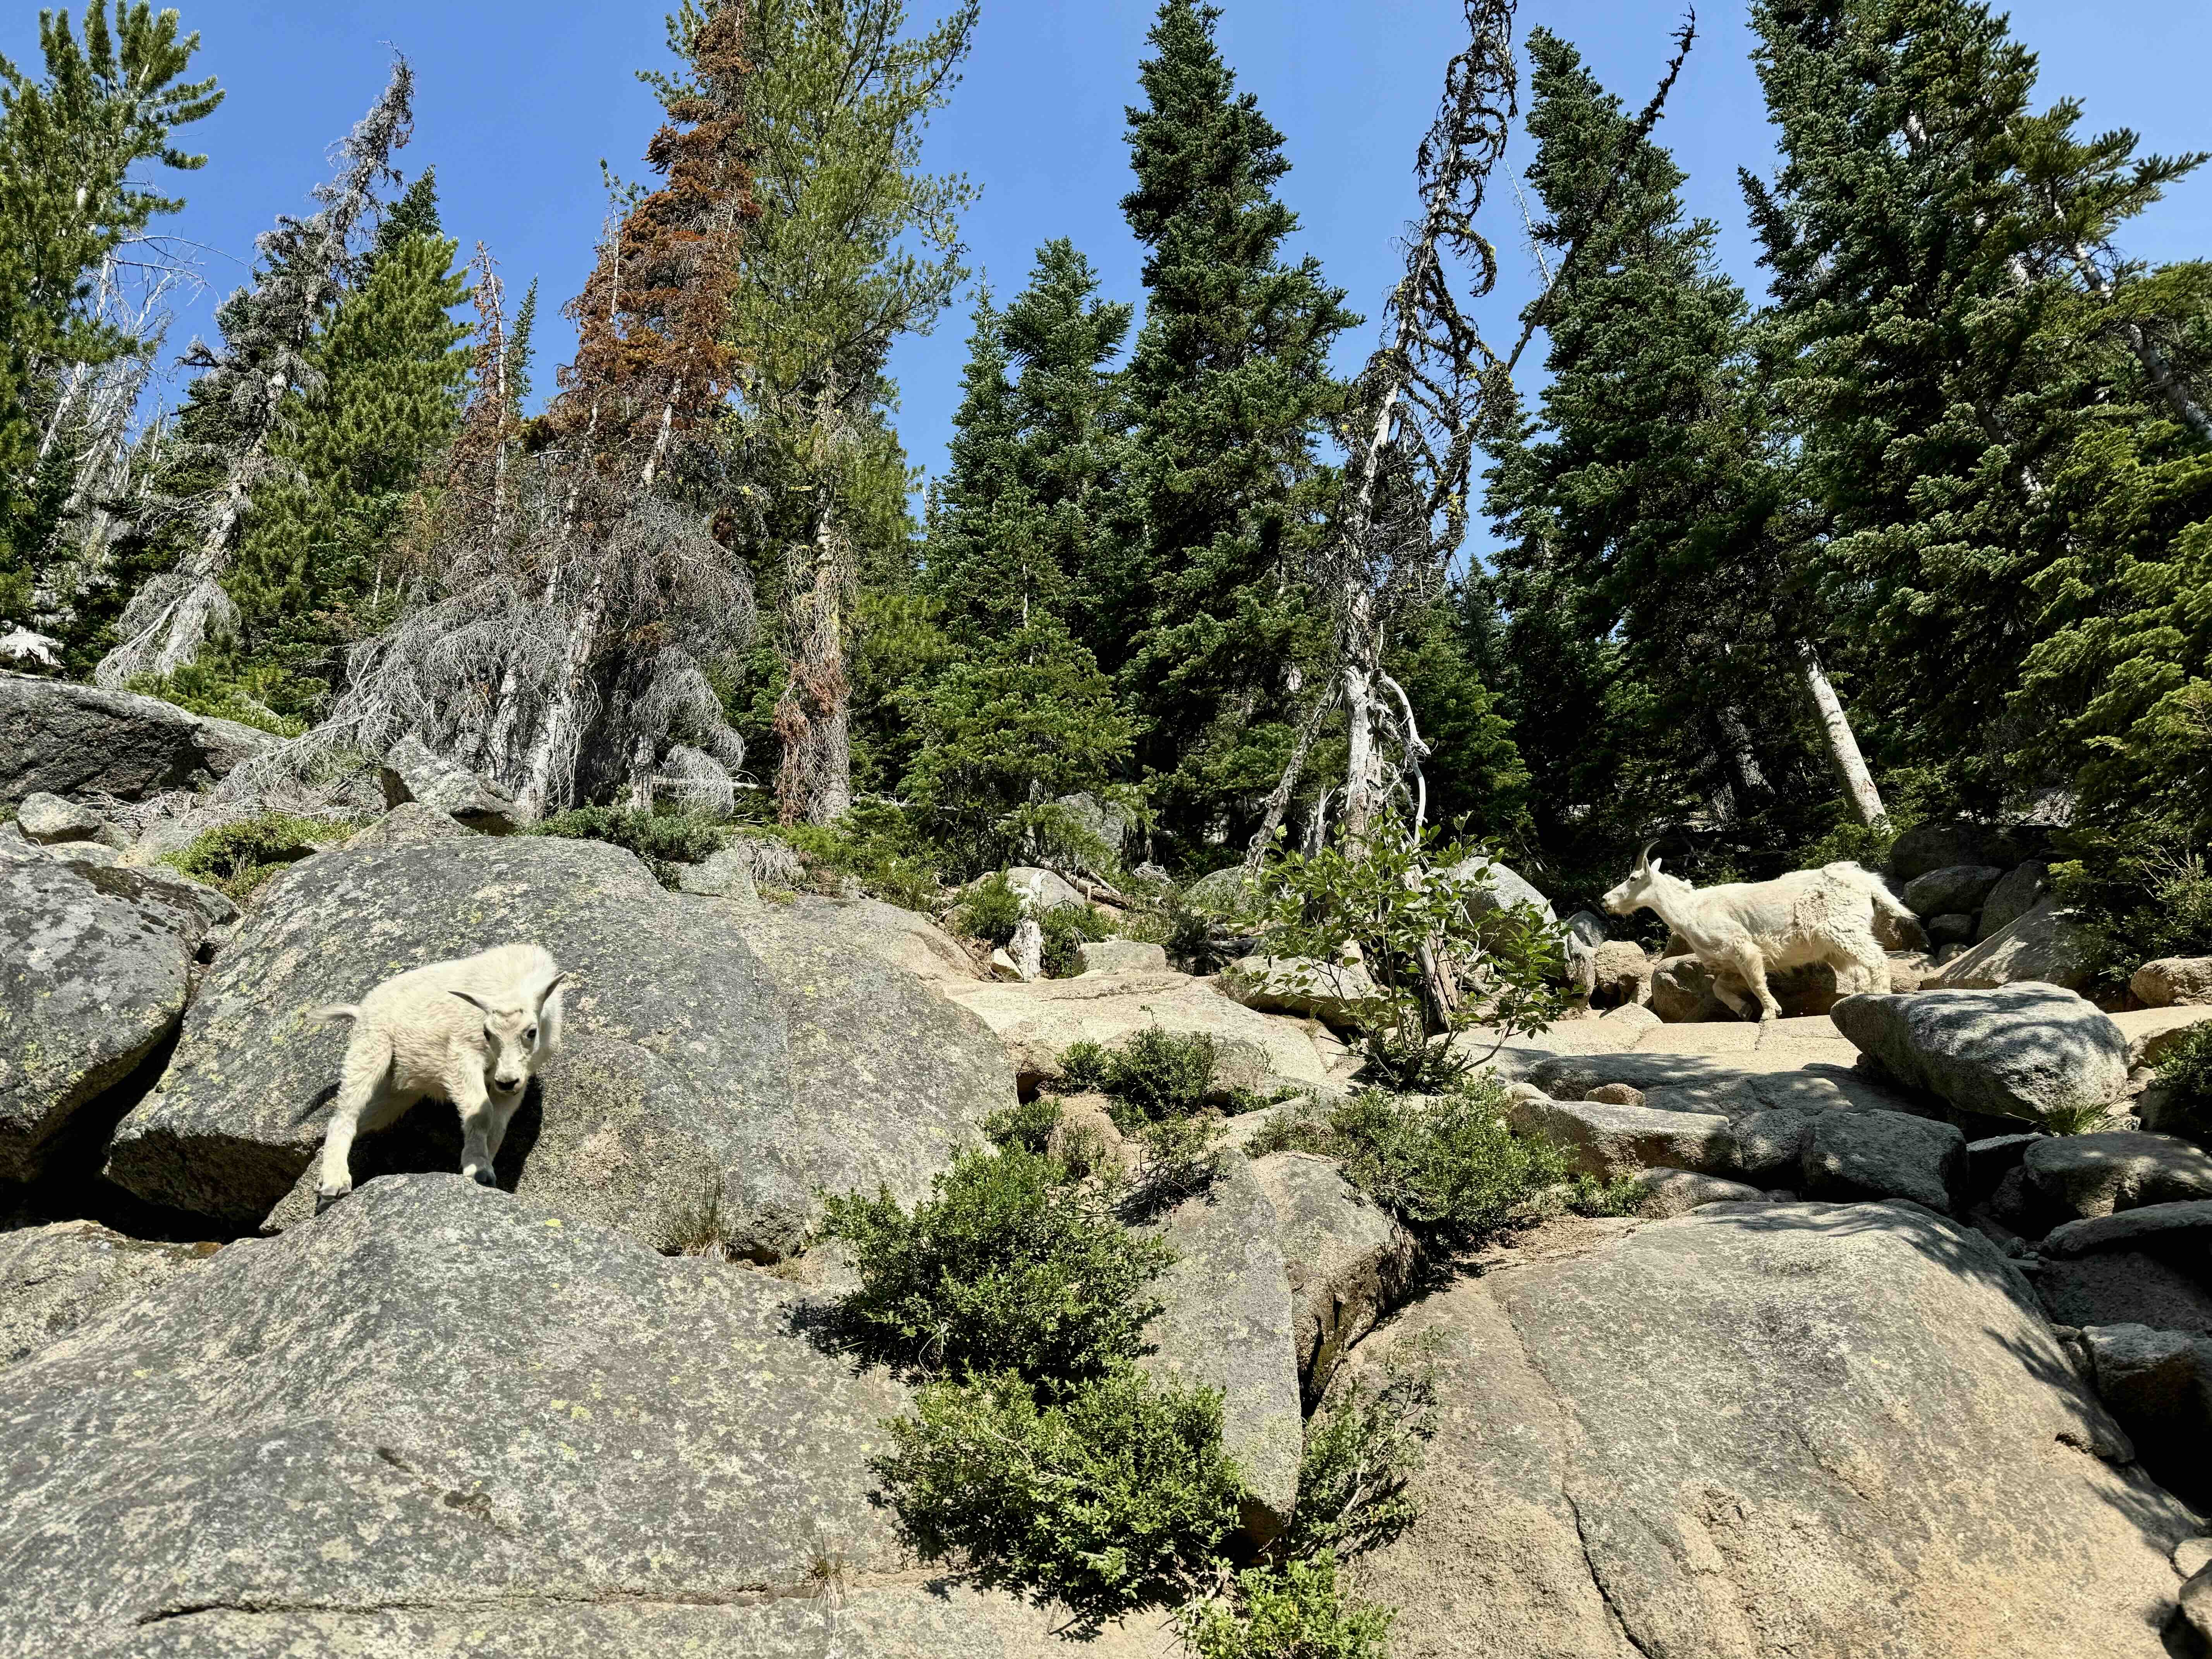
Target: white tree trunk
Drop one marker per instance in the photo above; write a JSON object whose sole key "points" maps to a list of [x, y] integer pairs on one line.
{"points": [[1843, 744]]}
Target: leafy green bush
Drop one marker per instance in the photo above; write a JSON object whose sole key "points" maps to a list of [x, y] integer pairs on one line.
{"points": [[2137, 894], [1176, 1160], [1362, 1449], [991, 909], [1005, 1268], [1065, 927], [2186, 1068], [1296, 1611], [254, 699], [1445, 1166], [238, 858], [662, 840], [1028, 1125], [1620, 1196], [1154, 1076], [1394, 906], [875, 843], [1108, 1495]]}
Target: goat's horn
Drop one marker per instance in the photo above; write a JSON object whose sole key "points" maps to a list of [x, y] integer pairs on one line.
{"points": [[1644, 858], [553, 985]]}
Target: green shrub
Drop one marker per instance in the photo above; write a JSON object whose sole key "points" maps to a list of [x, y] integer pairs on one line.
{"points": [[662, 840], [991, 909], [238, 858], [1005, 1268], [1176, 1160], [1084, 1068], [1108, 1494], [1065, 927], [1156, 1075], [1593, 1197], [2185, 1071], [1028, 1125], [247, 700], [2137, 894], [1363, 1447], [1296, 1611], [875, 843], [1445, 1166]]}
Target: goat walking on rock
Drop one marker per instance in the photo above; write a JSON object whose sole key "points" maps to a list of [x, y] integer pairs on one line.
{"points": [[471, 1031], [1744, 931]]}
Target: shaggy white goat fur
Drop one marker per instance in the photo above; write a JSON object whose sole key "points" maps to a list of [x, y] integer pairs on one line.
{"points": [[1745, 931], [471, 1031]]}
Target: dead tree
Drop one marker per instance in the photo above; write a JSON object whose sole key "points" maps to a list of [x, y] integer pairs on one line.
{"points": [[267, 333]]}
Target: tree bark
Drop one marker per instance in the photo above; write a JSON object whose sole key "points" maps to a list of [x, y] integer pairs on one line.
{"points": [[1843, 744], [1279, 801]]}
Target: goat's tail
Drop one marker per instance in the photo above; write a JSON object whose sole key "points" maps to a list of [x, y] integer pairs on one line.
{"points": [[1875, 887], [333, 1013]]}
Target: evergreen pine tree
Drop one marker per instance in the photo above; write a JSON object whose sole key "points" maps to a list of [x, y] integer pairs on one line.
{"points": [[311, 572], [1230, 385], [1961, 339]]}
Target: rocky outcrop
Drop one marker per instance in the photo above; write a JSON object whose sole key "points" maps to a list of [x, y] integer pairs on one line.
{"points": [[2019, 892], [1329, 991], [721, 1065], [1852, 1155], [58, 738], [438, 1414], [2071, 1177], [1227, 1324], [2020, 1051], [1119, 956], [54, 1279], [413, 771], [901, 939], [1956, 887], [1648, 1448], [2043, 943], [1606, 1141], [95, 970], [1349, 1263], [1037, 1023]]}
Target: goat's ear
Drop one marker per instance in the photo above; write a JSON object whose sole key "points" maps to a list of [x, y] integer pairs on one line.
{"points": [[1653, 866], [471, 1001], [551, 986]]}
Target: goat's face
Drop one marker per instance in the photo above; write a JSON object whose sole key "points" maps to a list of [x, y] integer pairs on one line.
{"points": [[1634, 894], [514, 1040]]}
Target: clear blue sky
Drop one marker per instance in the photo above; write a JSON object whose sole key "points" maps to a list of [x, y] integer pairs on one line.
{"points": [[516, 105]]}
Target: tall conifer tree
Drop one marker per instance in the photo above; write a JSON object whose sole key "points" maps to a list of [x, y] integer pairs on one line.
{"points": [[1228, 390]]}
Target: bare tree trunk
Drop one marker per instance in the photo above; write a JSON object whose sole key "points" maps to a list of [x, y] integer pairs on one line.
{"points": [[1278, 800], [552, 756], [814, 785], [1843, 744]]}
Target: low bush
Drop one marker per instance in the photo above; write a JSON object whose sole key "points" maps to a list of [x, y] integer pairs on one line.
{"points": [[1006, 1268], [2136, 894], [1066, 926], [1446, 1165], [1363, 1446], [990, 910], [1620, 1196], [1154, 1076], [2185, 1071], [875, 844], [662, 840], [254, 700], [1108, 1495], [1028, 1125], [1175, 1160], [238, 858], [1296, 1611]]}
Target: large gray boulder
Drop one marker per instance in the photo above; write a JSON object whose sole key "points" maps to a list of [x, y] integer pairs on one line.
{"points": [[2161, 1228], [2076, 1175], [95, 969], [71, 740], [721, 1065], [2013, 897], [413, 771], [2173, 983], [2044, 943], [437, 1414], [1956, 887], [1606, 1142], [1349, 1262], [1852, 1155], [56, 1278], [1227, 1324], [901, 939], [2157, 1385], [2124, 1287], [1493, 886], [1329, 991], [2020, 1051], [1762, 1432]]}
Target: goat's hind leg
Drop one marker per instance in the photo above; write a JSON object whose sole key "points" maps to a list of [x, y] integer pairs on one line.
{"points": [[1751, 968]]}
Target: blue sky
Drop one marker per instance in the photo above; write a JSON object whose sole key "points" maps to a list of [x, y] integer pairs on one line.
{"points": [[516, 106]]}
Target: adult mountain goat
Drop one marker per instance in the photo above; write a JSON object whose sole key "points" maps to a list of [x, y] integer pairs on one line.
{"points": [[471, 1031], [1746, 930]]}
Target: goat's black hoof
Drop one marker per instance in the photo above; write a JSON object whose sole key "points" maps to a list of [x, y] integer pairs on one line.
{"points": [[483, 1178], [324, 1201]]}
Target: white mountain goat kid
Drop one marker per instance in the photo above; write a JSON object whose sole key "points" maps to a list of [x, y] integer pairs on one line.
{"points": [[1746, 930], [471, 1031]]}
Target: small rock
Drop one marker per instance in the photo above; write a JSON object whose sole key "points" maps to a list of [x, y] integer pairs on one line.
{"points": [[1621, 973], [1677, 1192], [1606, 1142], [1616, 1094], [413, 772], [1682, 991], [1087, 1136], [1635, 1016], [2196, 1602], [2093, 1174], [1951, 929], [2152, 1383], [92, 854], [2191, 1556], [1119, 956], [1954, 888], [2172, 982], [1770, 1146], [47, 819], [1884, 1155]]}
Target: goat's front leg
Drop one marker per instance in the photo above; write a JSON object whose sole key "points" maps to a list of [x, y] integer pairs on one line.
{"points": [[362, 1103], [478, 1116]]}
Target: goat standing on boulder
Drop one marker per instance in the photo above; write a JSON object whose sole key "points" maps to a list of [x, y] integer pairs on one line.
{"points": [[1746, 930], [471, 1031]]}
